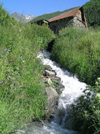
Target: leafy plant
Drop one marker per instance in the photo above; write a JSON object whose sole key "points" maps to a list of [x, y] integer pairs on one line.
{"points": [[92, 10], [86, 111]]}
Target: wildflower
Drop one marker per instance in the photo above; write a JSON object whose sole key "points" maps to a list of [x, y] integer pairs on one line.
{"points": [[98, 78], [1, 82], [96, 83], [21, 58], [98, 95]]}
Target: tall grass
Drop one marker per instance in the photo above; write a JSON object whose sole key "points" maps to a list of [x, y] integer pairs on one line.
{"points": [[22, 92], [78, 50]]}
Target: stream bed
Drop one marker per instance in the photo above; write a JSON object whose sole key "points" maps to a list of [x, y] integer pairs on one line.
{"points": [[73, 89]]}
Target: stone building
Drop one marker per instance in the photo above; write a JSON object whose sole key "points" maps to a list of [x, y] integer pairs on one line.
{"points": [[74, 17]]}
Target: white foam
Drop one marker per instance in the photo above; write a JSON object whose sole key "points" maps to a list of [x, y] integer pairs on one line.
{"points": [[73, 87]]}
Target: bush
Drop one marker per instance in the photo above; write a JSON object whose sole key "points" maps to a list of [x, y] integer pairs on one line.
{"points": [[41, 35], [92, 10], [86, 111], [5, 19]]}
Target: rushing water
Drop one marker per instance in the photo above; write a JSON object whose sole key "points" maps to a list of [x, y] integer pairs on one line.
{"points": [[73, 89]]}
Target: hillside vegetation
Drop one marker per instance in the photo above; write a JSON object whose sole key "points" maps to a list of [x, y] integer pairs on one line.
{"points": [[22, 97], [78, 50], [92, 12], [5, 19]]}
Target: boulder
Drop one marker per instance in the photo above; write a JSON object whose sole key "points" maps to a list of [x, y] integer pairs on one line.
{"points": [[49, 73], [52, 96]]}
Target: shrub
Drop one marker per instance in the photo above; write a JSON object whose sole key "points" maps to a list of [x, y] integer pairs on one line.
{"points": [[86, 111], [41, 35], [92, 9], [5, 19]]}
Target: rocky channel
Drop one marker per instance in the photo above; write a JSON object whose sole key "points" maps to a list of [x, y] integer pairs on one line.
{"points": [[53, 90]]}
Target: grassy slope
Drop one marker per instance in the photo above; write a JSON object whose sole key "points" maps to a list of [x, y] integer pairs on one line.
{"points": [[21, 88], [78, 50]]}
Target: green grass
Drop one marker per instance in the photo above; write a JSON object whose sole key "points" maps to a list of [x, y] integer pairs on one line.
{"points": [[78, 50], [22, 92]]}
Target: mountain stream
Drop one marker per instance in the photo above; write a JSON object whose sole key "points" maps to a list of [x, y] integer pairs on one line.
{"points": [[73, 88]]}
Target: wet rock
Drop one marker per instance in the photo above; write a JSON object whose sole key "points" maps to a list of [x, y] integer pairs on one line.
{"points": [[52, 96], [49, 70], [49, 73], [53, 90]]}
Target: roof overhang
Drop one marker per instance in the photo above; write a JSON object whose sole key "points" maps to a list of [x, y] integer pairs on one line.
{"points": [[65, 15]]}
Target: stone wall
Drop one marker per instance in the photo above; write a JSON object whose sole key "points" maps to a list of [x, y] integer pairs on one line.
{"points": [[76, 21], [59, 24]]}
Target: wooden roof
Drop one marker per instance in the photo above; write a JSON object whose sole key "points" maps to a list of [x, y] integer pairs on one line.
{"points": [[65, 15]]}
